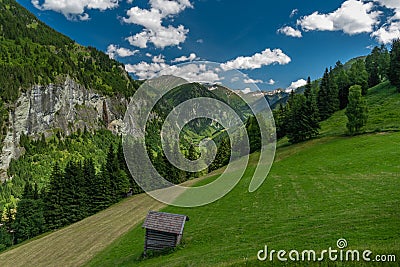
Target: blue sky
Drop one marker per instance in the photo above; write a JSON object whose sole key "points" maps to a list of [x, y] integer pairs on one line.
{"points": [[276, 43]]}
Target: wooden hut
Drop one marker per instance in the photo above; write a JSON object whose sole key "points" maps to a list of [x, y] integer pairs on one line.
{"points": [[163, 230]]}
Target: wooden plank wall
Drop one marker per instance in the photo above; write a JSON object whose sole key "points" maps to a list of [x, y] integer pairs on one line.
{"points": [[156, 240]]}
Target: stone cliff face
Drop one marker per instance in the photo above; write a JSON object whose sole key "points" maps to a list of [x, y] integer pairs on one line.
{"points": [[67, 107]]}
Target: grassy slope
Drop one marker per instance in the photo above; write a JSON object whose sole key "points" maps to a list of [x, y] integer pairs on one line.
{"points": [[347, 187], [310, 200], [315, 194]]}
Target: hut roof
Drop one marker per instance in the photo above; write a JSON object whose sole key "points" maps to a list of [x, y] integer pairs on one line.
{"points": [[165, 222]]}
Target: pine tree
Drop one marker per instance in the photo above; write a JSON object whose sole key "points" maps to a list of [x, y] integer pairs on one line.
{"points": [[297, 128], [253, 130], [119, 182], [343, 84], [356, 111], [73, 196], [394, 70], [54, 211], [101, 192], [323, 100], [89, 175], [372, 66], [311, 111], [280, 121], [29, 220], [333, 93]]}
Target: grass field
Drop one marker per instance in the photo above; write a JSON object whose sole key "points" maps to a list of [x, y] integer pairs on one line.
{"points": [[345, 188], [328, 188]]}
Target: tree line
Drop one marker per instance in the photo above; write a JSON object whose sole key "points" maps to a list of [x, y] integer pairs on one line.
{"points": [[73, 193], [340, 86]]}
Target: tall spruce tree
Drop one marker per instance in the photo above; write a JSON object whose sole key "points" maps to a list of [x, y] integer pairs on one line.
{"points": [[253, 130], [89, 176], [297, 120], [29, 220], [311, 111], [343, 84], [73, 194], [323, 97], [54, 205], [280, 120], [372, 66], [356, 111]]}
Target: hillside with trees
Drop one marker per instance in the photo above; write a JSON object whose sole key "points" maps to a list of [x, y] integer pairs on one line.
{"points": [[299, 119]]}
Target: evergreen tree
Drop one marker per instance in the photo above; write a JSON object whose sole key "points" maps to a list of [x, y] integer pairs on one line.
{"points": [[372, 66], [101, 192], [89, 175], [323, 97], [253, 130], [298, 128], [119, 182], [5, 237], [29, 220], [333, 93], [73, 193], [394, 70], [384, 63], [343, 84], [280, 121], [54, 210], [356, 111], [311, 111]]}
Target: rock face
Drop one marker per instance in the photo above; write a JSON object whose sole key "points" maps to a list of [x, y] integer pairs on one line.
{"points": [[67, 107]]}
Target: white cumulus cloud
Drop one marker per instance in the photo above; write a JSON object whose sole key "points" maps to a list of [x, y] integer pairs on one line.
{"points": [[250, 81], [170, 7], [391, 29], [386, 34], [289, 31], [271, 82], [258, 60], [191, 57], [75, 9], [353, 17], [151, 20], [114, 51], [295, 85]]}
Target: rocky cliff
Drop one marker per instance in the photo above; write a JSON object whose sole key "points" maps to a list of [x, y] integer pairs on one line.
{"points": [[66, 107]]}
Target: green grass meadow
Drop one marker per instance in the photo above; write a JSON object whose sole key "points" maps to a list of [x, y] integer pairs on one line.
{"points": [[346, 188]]}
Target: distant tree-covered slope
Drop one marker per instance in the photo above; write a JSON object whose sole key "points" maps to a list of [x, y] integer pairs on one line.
{"points": [[33, 53]]}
